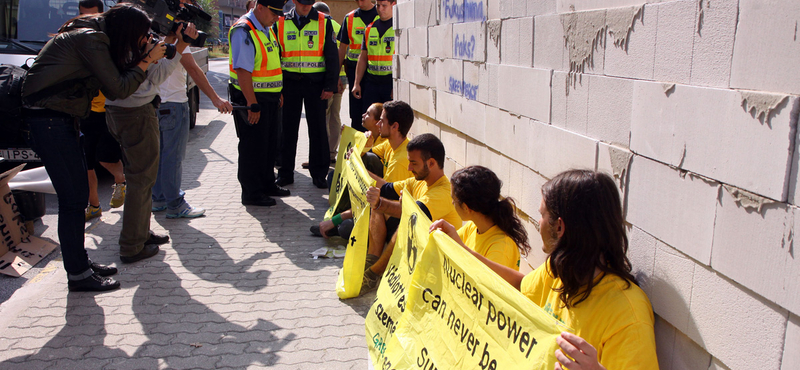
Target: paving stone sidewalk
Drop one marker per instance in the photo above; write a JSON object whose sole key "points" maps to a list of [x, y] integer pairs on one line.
{"points": [[235, 289]]}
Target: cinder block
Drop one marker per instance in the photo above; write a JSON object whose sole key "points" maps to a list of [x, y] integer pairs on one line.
{"points": [[671, 286], [716, 364], [459, 113], [766, 50], [564, 6], [539, 7], [609, 117], [713, 43], [513, 186], [558, 100], [674, 36], [688, 355], [657, 193], [401, 41], [548, 45], [502, 135], [534, 100], [417, 38], [425, 13], [791, 357], [489, 75], [424, 124], [501, 166], [616, 162], [642, 254], [577, 92], [507, 9], [532, 197], [423, 100], [396, 72], [742, 330], [469, 41], [403, 15], [455, 146], [442, 47], [421, 70], [448, 108], [677, 129], [493, 40], [665, 343], [518, 8], [516, 47], [493, 10], [476, 152], [637, 58], [458, 11], [547, 154], [470, 87], [450, 76], [749, 245], [536, 257], [792, 272], [402, 90]]}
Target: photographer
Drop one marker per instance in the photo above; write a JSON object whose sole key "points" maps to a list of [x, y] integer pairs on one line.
{"points": [[89, 53], [134, 123]]}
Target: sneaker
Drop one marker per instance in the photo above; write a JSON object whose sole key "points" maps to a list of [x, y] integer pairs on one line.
{"points": [[371, 259], [93, 283], [118, 197], [370, 281], [188, 212], [158, 207], [92, 212]]}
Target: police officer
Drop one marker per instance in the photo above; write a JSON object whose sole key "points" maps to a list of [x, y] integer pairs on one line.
{"points": [[310, 64], [351, 36], [373, 83], [256, 80]]}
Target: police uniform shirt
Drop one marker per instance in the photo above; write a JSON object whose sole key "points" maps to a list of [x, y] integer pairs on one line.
{"points": [[243, 48], [382, 27], [366, 16]]}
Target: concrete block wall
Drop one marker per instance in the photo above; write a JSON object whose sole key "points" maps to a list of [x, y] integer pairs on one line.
{"points": [[692, 106]]}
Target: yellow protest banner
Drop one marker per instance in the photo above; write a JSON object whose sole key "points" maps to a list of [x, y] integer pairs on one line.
{"points": [[390, 301], [348, 284], [350, 138]]}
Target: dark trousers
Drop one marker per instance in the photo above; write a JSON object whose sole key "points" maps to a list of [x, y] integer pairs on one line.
{"points": [[355, 103], [374, 93], [56, 141], [297, 94], [258, 145]]}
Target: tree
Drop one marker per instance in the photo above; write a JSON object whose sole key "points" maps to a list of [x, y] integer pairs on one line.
{"points": [[210, 27]]}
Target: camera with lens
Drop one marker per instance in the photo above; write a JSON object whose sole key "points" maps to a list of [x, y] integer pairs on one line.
{"points": [[168, 14]]}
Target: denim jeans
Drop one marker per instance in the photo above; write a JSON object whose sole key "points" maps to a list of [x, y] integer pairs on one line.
{"points": [[173, 122], [57, 142]]}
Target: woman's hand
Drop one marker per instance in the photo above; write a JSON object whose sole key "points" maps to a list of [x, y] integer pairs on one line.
{"points": [[583, 354], [446, 228], [156, 52]]}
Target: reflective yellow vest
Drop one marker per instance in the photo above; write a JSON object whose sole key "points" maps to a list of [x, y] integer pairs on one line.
{"points": [[267, 73], [355, 31], [302, 51], [379, 51], [336, 28]]}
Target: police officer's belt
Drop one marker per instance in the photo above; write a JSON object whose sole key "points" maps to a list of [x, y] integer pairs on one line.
{"points": [[353, 55], [303, 64], [260, 85], [375, 68]]}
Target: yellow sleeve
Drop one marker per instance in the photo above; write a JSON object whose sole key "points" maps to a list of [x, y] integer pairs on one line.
{"points": [[462, 232], [633, 347], [399, 186]]}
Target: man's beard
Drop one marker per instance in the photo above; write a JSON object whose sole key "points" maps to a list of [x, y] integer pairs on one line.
{"points": [[423, 174]]}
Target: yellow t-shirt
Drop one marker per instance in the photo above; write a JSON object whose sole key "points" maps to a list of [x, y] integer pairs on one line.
{"points": [[395, 161], [618, 322], [494, 244], [99, 103], [436, 198]]}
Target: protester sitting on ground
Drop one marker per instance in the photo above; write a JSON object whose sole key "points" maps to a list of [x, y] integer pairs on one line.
{"points": [[369, 120], [586, 282], [429, 186], [386, 162], [98, 145], [493, 229]]}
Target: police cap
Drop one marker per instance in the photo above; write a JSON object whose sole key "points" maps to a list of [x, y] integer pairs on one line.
{"points": [[275, 5]]}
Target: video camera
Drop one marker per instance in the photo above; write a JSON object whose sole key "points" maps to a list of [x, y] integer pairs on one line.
{"points": [[168, 14]]}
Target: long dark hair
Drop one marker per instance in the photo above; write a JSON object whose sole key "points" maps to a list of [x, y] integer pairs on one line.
{"points": [[479, 188], [594, 237], [125, 25]]}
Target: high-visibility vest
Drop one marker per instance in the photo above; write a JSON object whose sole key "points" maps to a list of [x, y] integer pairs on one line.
{"points": [[355, 31], [336, 28], [379, 51], [302, 50], [267, 74]]}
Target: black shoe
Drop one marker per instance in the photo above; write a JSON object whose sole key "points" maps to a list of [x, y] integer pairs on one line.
{"points": [[304, 165], [277, 191], [148, 251], [317, 232], [103, 270], [94, 283], [283, 181], [262, 201], [320, 182], [155, 239]]}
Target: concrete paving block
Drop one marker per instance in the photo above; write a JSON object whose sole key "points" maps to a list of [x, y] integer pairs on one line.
{"points": [[750, 244], [642, 254], [766, 50], [675, 128], [674, 37], [404, 15], [742, 330], [548, 45], [713, 43], [657, 194], [425, 13], [610, 108], [469, 41], [539, 7], [458, 11], [791, 357], [665, 342], [470, 87], [547, 152], [558, 98], [577, 92], [671, 286], [637, 58], [564, 6], [450, 76], [502, 135], [688, 355], [493, 40], [489, 75], [417, 41], [443, 46], [516, 47], [422, 99], [533, 100]]}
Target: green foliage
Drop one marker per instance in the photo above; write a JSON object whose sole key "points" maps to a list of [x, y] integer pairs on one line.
{"points": [[210, 27]]}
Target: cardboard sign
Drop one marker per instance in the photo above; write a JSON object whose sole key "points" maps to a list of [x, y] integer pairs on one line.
{"points": [[23, 256]]}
